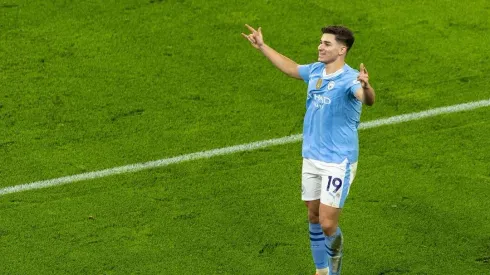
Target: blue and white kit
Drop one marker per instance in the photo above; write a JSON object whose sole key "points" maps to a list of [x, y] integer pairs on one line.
{"points": [[330, 140]]}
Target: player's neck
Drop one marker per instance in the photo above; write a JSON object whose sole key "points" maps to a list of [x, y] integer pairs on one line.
{"points": [[331, 68]]}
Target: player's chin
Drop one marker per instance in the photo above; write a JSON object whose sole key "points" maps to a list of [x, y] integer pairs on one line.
{"points": [[322, 59]]}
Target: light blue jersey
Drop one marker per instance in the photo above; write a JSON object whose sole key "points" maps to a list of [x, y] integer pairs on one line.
{"points": [[332, 114]]}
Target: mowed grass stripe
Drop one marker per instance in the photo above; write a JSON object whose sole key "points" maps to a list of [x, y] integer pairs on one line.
{"points": [[232, 149]]}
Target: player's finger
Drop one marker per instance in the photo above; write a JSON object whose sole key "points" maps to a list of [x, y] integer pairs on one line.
{"points": [[246, 36], [260, 30], [364, 68], [251, 39], [250, 28], [361, 68]]}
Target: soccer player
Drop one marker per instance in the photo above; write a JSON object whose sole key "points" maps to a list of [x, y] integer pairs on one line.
{"points": [[335, 95]]}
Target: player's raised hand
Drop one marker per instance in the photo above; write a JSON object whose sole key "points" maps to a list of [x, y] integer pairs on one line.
{"points": [[255, 37], [363, 76]]}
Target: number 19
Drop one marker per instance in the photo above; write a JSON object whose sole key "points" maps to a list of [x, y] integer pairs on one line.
{"points": [[335, 182]]}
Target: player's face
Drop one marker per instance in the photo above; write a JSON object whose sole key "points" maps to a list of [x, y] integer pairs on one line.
{"points": [[329, 49]]}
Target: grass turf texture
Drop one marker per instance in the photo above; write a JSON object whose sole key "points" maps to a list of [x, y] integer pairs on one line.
{"points": [[90, 85]]}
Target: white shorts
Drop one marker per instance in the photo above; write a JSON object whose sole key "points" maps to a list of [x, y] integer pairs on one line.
{"points": [[329, 182]]}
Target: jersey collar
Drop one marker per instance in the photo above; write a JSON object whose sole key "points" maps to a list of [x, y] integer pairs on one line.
{"points": [[332, 75]]}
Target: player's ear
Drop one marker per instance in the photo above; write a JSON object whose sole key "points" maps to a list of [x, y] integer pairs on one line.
{"points": [[343, 50]]}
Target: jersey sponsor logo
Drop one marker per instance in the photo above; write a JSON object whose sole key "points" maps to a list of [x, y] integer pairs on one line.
{"points": [[330, 85], [320, 100]]}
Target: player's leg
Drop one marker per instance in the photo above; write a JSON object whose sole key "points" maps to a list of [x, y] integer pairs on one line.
{"points": [[311, 184], [317, 238], [336, 181], [329, 220]]}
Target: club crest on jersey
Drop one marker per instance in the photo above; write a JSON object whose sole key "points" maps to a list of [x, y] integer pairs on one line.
{"points": [[319, 83], [330, 85]]}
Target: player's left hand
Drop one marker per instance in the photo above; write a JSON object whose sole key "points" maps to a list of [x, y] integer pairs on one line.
{"points": [[363, 76]]}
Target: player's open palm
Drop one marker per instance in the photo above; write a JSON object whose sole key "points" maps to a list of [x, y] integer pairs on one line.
{"points": [[363, 76], [255, 37]]}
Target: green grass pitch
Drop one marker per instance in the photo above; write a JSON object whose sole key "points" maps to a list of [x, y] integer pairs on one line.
{"points": [[91, 85]]}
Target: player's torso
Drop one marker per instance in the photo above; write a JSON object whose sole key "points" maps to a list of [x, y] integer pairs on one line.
{"points": [[328, 96], [332, 116]]}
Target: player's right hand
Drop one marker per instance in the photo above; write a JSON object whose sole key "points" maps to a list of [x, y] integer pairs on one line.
{"points": [[255, 37]]}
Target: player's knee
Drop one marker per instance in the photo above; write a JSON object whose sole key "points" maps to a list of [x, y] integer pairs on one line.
{"points": [[329, 227]]}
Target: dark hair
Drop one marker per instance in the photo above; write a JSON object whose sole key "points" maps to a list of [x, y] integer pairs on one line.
{"points": [[342, 35]]}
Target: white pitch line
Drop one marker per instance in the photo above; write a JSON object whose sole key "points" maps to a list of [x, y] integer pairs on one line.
{"points": [[233, 149]]}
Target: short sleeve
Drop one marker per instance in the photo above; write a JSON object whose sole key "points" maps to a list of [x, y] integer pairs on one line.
{"points": [[304, 71], [355, 86]]}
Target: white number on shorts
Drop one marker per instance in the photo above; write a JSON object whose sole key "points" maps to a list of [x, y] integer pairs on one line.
{"points": [[336, 182]]}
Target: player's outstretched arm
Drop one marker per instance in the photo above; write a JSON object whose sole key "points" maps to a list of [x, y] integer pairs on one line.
{"points": [[282, 62], [366, 93]]}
